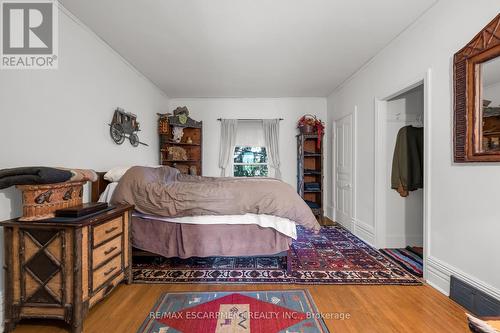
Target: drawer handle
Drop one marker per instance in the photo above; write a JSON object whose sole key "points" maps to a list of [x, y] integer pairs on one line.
{"points": [[110, 250], [110, 230], [110, 271]]}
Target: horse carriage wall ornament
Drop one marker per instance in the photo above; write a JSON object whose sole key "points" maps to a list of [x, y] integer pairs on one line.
{"points": [[125, 125]]}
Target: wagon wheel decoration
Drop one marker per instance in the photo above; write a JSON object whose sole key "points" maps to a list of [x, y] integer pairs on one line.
{"points": [[134, 140], [117, 133]]}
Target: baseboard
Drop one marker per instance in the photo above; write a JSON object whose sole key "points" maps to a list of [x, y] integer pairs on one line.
{"points": [[330, 213], [401, 241], [439, 273], [364, 231]]}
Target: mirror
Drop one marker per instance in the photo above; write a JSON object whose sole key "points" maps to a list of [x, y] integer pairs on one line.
{"points": [[476, 85], [490, 83]]}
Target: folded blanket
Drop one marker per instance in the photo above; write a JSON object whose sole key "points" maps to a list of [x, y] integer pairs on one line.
{"points": [[43, 175], [165, 192], [32, 176]]}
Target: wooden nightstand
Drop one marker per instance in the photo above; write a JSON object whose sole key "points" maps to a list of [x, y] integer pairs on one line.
{"points": [[59, 270]]}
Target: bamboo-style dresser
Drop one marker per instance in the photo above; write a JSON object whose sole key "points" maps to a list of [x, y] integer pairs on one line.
{"points": [[59, 270]]}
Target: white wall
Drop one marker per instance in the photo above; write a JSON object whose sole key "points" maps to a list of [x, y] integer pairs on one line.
{"points": [[290, 109], [404, 216], [464, 219], [59, 117]]}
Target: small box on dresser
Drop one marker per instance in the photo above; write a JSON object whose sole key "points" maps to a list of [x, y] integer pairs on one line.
{"points": [[59, 270]]}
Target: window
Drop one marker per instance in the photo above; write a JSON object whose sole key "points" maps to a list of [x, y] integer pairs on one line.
{"points": [[250, 162]]}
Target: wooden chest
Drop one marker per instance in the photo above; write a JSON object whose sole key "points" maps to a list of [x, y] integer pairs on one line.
{"points": [[59, 270]]}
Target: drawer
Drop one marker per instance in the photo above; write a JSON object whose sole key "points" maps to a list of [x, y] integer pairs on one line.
{"points": [[106, 251], [106, 290], [104, 273], [107, 231]]}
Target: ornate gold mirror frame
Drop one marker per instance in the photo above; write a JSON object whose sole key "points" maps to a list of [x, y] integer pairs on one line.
{"points": [[468, 104]]}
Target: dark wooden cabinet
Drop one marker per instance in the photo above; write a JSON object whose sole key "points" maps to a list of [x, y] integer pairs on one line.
{"points": [[310, 172], [191, 142], [59, 270]]}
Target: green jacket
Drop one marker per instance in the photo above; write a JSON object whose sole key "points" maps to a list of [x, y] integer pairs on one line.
{"points": [[408, 160]]}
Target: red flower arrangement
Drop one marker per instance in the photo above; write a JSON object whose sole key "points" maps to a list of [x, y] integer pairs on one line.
{"points": [[311, 124]]}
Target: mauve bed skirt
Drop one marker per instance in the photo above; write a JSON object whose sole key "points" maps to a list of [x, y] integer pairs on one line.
{"points": [[195, 240]]}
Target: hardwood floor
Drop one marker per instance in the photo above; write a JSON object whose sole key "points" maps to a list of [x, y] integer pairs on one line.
{"points": [[371, 308]]}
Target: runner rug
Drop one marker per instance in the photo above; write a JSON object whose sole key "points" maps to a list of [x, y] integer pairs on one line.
{"points": [[239, 312], [334, 256], [409, 258]]}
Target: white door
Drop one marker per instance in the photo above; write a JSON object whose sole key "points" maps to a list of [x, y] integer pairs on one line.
{"points": [[343, 145]]}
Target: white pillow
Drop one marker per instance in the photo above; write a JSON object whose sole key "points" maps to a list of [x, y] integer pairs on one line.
{"points": [[115, 174]]}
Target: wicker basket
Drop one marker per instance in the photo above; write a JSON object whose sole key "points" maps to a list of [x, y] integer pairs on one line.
{"points": [[41, 201]]}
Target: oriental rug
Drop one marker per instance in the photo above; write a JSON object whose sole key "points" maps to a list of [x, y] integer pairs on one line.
{"points": [[235, 312], [334, 256]]}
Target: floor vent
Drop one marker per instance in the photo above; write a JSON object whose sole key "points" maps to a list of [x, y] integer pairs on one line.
{"points": [[474, 300]]}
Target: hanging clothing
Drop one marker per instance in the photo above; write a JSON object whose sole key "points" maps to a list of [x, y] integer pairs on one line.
{"points": [[408, 160]]}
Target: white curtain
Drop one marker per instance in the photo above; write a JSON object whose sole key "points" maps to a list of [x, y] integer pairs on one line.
{"points": [[229, 128], [271, 136]]}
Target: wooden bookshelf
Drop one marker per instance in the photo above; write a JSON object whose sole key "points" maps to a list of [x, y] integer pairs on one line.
{"points": [[192, 129], [310, 172]]}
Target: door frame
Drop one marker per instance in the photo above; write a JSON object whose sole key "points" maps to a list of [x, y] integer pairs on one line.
{"points": [[381, 163], [354, 120]]}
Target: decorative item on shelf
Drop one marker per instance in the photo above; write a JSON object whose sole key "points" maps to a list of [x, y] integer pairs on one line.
{"points": [[182, 114], [163, 127], [193, 170], [310, 124], [189, 140], [178, 133], [124, 125], [177, 154], [181, 118], [184, 169], [41, 201]]}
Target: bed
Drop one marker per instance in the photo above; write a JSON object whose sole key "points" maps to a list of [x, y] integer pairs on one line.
{"points": [[186, 229]]}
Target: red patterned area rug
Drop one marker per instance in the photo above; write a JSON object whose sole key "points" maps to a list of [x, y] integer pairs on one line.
{"points": [[334, 256], [235, 312]]}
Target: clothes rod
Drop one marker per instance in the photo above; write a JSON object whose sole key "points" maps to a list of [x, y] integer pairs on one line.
{"points": [[250, 119]]}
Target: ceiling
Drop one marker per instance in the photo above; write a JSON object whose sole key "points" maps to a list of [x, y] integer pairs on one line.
{"points": [[247, 48]]}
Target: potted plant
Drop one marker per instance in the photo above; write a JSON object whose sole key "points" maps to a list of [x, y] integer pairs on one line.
{"points": [[309, 124]]}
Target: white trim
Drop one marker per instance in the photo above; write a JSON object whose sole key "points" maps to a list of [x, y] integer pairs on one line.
{"points": [[330, 212], [439, 274], [91, 32], [364, 231], [380, 161]]}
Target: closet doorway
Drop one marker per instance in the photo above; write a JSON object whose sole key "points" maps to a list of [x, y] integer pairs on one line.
{"points": [[401, 176]]}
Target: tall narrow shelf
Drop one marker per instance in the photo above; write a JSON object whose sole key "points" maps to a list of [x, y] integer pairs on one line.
{"points": [[192, 129], [310, 172]]}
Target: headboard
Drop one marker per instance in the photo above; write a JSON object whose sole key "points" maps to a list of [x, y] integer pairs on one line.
{"points": [[98, 187]]}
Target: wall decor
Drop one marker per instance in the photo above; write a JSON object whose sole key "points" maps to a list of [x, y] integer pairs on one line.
{"points": [[477, 104], [177, 133], [163, 127], [125, 125]]}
